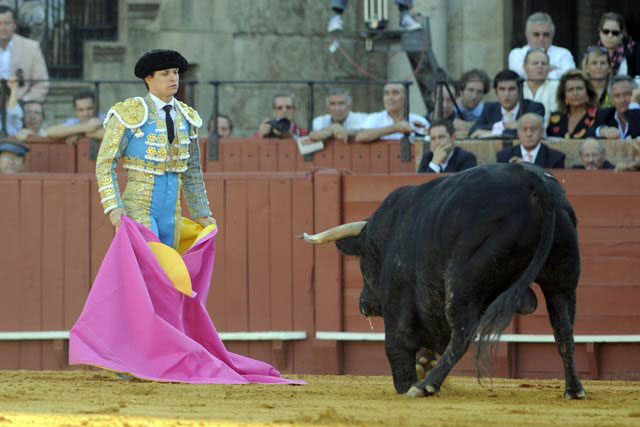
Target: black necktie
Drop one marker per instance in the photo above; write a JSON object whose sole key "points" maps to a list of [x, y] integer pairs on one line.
{"points": [[167, 109]]}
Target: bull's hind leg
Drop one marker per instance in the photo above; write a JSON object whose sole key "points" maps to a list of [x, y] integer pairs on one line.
{"points": [[561, 307], [425, 361], [461, 334], [558, 281]]}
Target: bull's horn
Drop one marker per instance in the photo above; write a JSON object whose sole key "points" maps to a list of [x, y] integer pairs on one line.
{"points": [[335, 233]]}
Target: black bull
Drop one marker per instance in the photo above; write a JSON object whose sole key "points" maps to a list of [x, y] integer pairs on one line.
{"points": [[451, 260]]}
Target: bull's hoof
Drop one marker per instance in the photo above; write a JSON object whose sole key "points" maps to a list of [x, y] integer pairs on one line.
{"points": [[415, 392], [575, 395], [420, 372]]}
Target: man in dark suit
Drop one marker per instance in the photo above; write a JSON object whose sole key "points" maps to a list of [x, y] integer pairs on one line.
{"points": [[501, 118], [444, 157], [531, 149], [618, 122], [593, 155]]}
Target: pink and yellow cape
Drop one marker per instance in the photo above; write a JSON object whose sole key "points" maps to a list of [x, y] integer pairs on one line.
{"points": [[145, 314]]}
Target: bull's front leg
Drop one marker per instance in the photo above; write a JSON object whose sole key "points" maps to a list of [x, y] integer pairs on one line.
{"points": [[402, 361]]}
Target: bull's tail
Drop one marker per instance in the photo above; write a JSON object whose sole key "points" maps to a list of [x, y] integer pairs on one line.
{"points": [[500, 312]]}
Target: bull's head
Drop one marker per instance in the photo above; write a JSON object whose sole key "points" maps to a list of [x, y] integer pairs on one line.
{"points": [[349, 239]]}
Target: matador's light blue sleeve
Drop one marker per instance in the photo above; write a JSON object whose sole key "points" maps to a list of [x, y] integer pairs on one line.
{"points": [[193, 182], [116, 138]]}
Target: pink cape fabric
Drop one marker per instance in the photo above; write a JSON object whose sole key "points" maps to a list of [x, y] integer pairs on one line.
{"points": [[135, 321]]}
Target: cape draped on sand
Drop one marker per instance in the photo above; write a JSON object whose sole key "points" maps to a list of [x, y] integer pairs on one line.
{"points": [[145, 314]]}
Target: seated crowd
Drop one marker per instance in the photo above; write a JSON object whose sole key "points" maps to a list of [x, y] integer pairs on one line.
{"points": [[542, 94]]}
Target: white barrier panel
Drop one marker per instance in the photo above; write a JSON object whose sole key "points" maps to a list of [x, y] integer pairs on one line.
{"points": [[225, 336]]}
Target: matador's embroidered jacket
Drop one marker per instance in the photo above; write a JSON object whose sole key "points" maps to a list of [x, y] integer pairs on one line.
{"points": [[135, 132]]}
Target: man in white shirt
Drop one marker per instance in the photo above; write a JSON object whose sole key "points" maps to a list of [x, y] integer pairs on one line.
{"points": [[391, 123], [340, 123], [539, 32]]}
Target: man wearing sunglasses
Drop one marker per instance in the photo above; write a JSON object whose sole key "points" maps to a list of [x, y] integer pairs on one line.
{"points": [[539, 32]]}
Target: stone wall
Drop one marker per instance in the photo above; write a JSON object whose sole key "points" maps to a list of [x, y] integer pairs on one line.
{"points": [[239, 40], [287, 40]]}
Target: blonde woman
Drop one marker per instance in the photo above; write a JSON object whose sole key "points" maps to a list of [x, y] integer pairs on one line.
{"points": [[596, 65]]}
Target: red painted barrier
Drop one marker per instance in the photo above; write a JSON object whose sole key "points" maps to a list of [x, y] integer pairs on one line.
{"points": [[55, 235]]}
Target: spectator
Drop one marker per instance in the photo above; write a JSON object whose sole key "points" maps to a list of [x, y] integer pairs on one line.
{"points": [[531, 149], [538, 87], [282, 124], [474, 85], [501, 118], [593, 155], [84, 124], [448, 112], [539, 32], [624, 53], [444, 157], [633, 165], [33, 119], [22, 58], [341, 123], [577, 107], [13, 110], [225, 126], [391, 123], [596, 65], [12, 156], [618, 122], [407, 22]]}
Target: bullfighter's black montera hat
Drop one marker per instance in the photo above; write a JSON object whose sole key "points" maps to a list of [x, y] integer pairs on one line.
{"points": [[159, 59]]}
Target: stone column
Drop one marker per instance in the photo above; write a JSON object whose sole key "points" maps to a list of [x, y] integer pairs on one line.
{"points": [[479, 32]]}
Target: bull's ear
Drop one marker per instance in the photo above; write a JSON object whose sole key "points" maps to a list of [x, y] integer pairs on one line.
{"points": [[349, 245]]}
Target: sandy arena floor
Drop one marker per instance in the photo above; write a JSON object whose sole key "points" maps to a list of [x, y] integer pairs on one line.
{"points": [[96, 398]]}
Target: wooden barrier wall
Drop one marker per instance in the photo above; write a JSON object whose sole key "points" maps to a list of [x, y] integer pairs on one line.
{"points": [[236, 155], [281, 155], [264, 279], [56, 236]]}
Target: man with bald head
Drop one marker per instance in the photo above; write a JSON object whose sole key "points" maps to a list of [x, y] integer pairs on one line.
{"points": [[593, 155], [531, 149]]}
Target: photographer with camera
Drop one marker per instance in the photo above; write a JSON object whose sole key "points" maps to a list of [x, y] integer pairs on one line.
{"points": [[282, 124]]}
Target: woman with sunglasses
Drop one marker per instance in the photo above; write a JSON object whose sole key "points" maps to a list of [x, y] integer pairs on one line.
{"points": [[577, 107], [624, 53], [597, 67]]}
